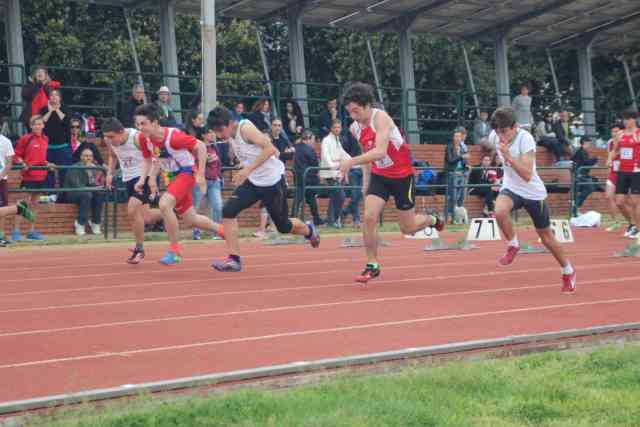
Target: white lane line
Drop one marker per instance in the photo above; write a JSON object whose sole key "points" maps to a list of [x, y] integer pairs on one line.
{"points": [[314, 332], [288, 289], [306, 306]]}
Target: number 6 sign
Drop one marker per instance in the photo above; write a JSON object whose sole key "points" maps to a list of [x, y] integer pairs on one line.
{"points": [[561, 230]]}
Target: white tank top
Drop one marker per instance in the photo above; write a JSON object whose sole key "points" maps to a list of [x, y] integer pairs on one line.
{"points": [[268, 173], [129, 156], [177, 159]]}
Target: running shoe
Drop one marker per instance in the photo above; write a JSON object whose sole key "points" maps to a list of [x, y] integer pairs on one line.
{"points": [[440, 224], [24, 211], [137, 255], [314, 238], [15, 236], [510, 255], [196, 234], [34, 235], [4, 243], [229, 265], [569, 283], [630, 230], [368, 274], [634, 234], [170, 258]]}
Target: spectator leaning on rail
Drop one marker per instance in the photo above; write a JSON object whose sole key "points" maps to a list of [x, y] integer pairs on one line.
{"points": [[128, 107], [79, 177], [35, 94], [455, 164], [30, 151], [57, 128], [331, 155]]}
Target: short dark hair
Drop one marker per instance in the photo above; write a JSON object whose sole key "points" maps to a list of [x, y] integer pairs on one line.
{"points": [[336, 122], [585, 139], [358, 93], [630, 113], [274, 118], [503, 118], [112, 125], [616, 124], [150, 111], [218, 117]]}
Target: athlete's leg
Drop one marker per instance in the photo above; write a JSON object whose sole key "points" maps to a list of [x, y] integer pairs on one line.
{"points": [[167, 203], [504, 206], [550, 242], [373, 207], [192, 219]]}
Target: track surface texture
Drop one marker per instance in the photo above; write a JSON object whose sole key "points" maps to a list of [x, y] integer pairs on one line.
{"points": [[79, 318]]}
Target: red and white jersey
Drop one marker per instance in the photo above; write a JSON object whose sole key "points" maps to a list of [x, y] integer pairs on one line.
{"points": [[397, 163], [173, 151], [615, 162], [629, 146]]}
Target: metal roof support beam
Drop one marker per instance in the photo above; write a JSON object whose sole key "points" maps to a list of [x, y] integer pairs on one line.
{"points": [[296, 59], [587, 36], [169, 52], [408, 82], [632, 91], [554, 76], [15, 52], [374, 69], [503, 81], [586, 88], [209, 67], [411, 14], [472, 83], [506, 26]]}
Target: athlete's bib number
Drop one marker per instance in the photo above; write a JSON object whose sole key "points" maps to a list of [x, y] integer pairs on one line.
{"points": [[384, 163], [128, 162], [626, 153]]}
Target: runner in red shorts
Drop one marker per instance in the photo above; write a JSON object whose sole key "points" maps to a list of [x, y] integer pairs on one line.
{"points": [[613, 162], [173, 152], [387, 171]]}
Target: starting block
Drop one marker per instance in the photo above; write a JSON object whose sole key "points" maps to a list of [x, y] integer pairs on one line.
{"points": [[526, 248], [354, 242], [632, 250], [429, 233], [483, 229], [277, 240], [439, 245]]}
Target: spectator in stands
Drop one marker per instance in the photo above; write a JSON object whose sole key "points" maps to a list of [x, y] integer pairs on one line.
{"points": [[484, 174], [352, 147], [77, 137], [481, 128], [522, 107], [455, 165], [213, 176], [35, 95], [587, 184], [128, 107], [294, 119], [167, 117], [261, 115], [31, 150], [195, 124], [305, 157], [57, 128], [280, 141], [237, 113], [331, 155], [83, 178], [546, 137], [328, 116]]}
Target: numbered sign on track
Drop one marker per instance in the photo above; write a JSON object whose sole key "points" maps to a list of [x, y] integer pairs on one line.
{"points": [[561, 229], [483, 229]]}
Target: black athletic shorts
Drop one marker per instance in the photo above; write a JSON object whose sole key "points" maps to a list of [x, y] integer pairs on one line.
{"points": [[538, 210], [628, 182], [33, 185], [274, 199], [145, 197], [403, 190]]}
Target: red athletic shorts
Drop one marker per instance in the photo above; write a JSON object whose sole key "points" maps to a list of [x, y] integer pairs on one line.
{"points": [[181, 189], [4, 193]]}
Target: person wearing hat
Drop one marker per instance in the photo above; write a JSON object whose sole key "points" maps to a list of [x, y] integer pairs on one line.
{"points": [[164, 102]]}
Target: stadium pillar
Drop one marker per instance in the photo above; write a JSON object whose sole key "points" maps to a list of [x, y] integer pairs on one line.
{"points": [[209, 70], [15, 55], [169, 52], [503, 87], [586, 88], [296, 59], [408, 83]]}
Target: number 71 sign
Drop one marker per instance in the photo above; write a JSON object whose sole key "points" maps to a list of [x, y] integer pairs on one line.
{"points": [[483, 229]]}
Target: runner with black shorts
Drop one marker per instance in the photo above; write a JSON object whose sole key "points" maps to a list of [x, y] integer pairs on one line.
{"points": [[260, 179], [124, 145], [523, 188], [386, 172]]}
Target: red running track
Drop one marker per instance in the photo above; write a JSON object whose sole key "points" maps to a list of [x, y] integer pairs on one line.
{"points": [[79, 318]]}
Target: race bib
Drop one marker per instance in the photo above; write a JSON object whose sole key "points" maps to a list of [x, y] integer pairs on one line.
{"points": [[626, 153], [384, 163], [128, 162]]}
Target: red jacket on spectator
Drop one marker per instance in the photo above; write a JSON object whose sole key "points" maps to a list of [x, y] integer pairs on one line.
{"points": [[32, 150], [36, 97]]}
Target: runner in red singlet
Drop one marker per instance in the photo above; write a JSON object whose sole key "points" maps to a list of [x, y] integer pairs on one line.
{"points": [[627, 148], [613, 162]]}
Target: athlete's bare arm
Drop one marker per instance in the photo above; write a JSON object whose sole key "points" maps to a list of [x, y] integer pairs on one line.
{"points": [[384, 125]]}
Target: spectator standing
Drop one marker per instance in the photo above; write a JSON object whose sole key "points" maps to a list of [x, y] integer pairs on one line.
{"points": [[455, 164], [128, 107], [167, 117], [35, 95], [80, 177], [586, 183], [328, 116], [294, 120], [305, 157], [481, 129], [31, 150], [213, 177], [57, 128], [522, 108], [261, 115], [195, 125], [331, 155], [353, 149]]}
